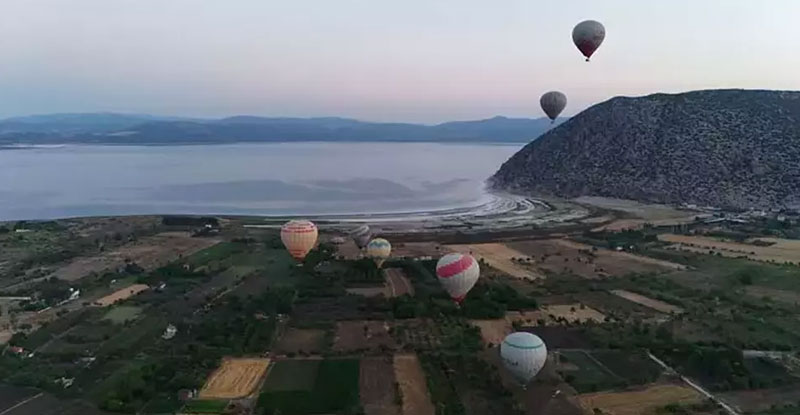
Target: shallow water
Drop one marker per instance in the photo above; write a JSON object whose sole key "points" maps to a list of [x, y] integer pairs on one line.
{"points": [[247, 179]]}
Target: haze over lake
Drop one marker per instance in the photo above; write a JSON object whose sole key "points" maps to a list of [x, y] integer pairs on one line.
{"points": [[247, 179]]}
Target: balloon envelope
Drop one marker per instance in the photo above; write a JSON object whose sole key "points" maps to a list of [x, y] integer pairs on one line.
{"points": [[524, 355], [361, 236], [553, 103], [299, 237], [458, 273], [587, 36], [379, 249]]}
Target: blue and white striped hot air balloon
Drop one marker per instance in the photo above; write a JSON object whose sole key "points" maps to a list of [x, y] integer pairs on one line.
{"points": [[379, 249], [524, 355]]}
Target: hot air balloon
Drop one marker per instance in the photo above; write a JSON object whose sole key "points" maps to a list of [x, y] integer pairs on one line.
{"points": [[553, 103], [587, 36], [458, 274], [299, 236], [379, 249], [524, 355], [361, 236]]}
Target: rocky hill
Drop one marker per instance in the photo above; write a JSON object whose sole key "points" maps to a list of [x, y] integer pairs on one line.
{"points": [[727, 148]]}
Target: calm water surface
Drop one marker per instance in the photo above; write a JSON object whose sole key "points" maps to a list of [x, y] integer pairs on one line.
{"points": [[252, 179]]}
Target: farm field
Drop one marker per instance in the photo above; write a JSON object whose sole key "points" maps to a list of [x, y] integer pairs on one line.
{"points": [[416, 249], [367, 291], [413, 386], [409, 349], [11, 395], [292, 375], [360, 335], [781, 250], [648, 302], [783, 296], [121, 294], [585, 373], [397, 283], [638, 402], [635, 367], [204, 406], [499, 256], [560, 337], [122, 314], [610, 304], [572, 313], [149, 253], [348, 249], [377, 386], [648, 211], [235, 378], [752, 401], [334, 388], [296, 340], [493, 331], [561, 255]]}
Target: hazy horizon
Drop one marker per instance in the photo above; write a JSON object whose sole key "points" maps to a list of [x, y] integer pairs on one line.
{"points": [[413, 61]]}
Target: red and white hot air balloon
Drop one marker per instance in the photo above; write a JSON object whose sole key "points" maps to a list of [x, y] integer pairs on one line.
{"points": [[458, 273], [299, 237]]}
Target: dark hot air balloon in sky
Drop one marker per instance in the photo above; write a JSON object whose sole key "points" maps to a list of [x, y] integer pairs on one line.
{"points": [[553, 103], [588, 35]]}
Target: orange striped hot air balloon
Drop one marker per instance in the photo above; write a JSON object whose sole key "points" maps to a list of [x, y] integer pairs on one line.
{"points": [[299, 237]]}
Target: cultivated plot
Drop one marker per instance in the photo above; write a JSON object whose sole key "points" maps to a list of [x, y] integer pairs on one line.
{"points": [[758, 249], [648, 302], [572, 313], [565, 256], [493, 331], [757, 400], [378, 387], [315, 387], [362, 335], [122, 314], [417, 249], [499, 256], [397, 283], [637, 402], [413, 385], [121, 294], [292, 375], [296, 340], [149, 253], [235, 378]]}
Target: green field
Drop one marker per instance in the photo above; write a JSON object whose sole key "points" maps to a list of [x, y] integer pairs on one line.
{"points": [[635, 367], [217, 252], [335, 389], [588, 376], [292, 375], [205, 407], [122, 314]]}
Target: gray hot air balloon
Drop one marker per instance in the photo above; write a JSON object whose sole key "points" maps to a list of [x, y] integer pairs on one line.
{"points": [[553, 103], [361, 236], [587, 36]]}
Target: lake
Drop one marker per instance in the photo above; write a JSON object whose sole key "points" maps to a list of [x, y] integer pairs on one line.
{"points": [[246, 179]]}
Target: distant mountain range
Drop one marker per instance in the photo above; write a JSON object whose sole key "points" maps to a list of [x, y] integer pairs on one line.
{"points": [[111, 128], [736, 149]]}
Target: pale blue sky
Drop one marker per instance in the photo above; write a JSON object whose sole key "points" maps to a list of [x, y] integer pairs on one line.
{"points": [[390, 60]]}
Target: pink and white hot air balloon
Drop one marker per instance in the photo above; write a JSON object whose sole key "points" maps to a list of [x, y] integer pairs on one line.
{"points": [[299, 237], [458, 273]]}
